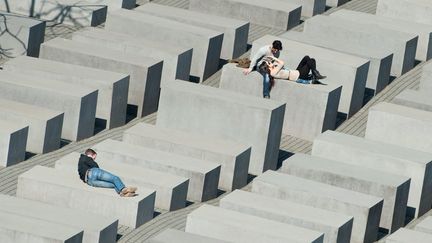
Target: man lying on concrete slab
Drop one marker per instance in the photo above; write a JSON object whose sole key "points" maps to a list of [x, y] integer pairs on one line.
{"points": [[91, 174]]}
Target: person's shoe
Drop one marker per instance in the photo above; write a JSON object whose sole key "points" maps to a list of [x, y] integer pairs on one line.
{"points": [[317, 74], [129, 194], [315, 81], [266, 96], [128, 189]]}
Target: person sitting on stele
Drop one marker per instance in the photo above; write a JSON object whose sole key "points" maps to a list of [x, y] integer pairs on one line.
{"points": [[91, 174]]}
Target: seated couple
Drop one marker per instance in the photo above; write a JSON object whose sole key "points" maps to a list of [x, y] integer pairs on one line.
{"points": [[271, 67]]}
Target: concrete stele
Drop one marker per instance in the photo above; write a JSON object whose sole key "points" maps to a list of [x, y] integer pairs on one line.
{"points": [[384, 157], [405, 235], [233, 226], [414, 99], [412, 10], [63, 188], [227, 115], [173, 235], [233, 157], [13, 140], [425, 225]]}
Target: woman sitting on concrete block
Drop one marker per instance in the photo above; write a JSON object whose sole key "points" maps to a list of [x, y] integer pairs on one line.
{"points": [[91, 174]]}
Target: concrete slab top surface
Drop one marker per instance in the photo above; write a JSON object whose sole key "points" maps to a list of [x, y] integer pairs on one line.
{"points": [[173, 235], [400, 110], [36, 112], [223, 95], [52, 85], [300, 184], [271, 4], [177, 136], [426, 223], [349, 170], [404, 235], [166, 23], [7, 127], [94, 49], [19, 20]]}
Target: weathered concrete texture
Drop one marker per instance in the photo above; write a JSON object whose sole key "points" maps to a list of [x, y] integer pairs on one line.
{"points": [[416, 99], [340, 68], [310, 109], [112, 87], [426, 78], [13, 140], [402, 45], [21, 35], [207, 44], [114, 4], [45, 125], [380, 59], [275, 14], [77, 103], [233, 157], [173, 235], [203, 175], [366, 209], [393, 188], [97, 228], [18, 228], [383, 157], [170, 190], [176, 59], [408, 236], [424, 31], [400, 125], [311, 7], [145, 72], [227, 115], [65, 189], [412, 10], [235, 31], [70, 12], [233, 226], [335, 3], [425, 225], [336, 227]]}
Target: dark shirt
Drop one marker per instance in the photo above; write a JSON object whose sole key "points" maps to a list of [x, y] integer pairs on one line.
{"points": [[85, 163]]}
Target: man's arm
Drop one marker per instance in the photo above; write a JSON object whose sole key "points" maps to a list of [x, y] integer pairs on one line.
{"points": [[260, 53]]}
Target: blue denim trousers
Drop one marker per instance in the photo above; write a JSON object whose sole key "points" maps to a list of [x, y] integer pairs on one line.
{"points": [[100, 178], [266, 84]]}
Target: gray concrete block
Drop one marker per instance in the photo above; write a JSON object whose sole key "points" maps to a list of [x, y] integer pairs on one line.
{"points": [[13, 140], [77, 103], [176, 59], [343, 69], [282, 15], [393, 188], [18, 228], [65, 189], [235, 31], [336, 3], [45, 125], [224, 114], [233, 157], [114, 4], [203, 175], [207, 44], [405, 235], [112, 87], [416, 10], [173, 235], [400, 125], [425, 225], [68, 12], [402, 45], [233, 226], [97, 229], [380, 59], [311, 7], [424, 31], [336, 227], [310, 109], [365, 209], [170, 190], [425, 78], [383, 157], [414, 99], [24, 35], [145, 72]]}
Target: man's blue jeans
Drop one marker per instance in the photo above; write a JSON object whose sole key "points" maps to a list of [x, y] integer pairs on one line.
{"points": [[266, 84], [100, 178]]}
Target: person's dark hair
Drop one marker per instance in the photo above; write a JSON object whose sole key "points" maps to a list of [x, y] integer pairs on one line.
{"points": [[265, 69], [90, 152], [277, 44]]}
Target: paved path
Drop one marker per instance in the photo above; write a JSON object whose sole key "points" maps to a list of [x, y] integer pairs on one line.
{"points": [[355, 126]]}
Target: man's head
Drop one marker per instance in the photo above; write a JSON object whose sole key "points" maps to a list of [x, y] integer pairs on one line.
{"points": [[276, 46], [91, 153]]}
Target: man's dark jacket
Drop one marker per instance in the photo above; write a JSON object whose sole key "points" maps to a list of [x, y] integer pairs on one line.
{"points": [[84, 164]]}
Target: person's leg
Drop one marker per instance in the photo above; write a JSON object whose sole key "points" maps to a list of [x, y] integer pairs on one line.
{"points": [[266, 85], [101, 178], [306, 65]]}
